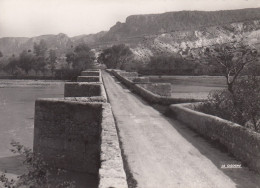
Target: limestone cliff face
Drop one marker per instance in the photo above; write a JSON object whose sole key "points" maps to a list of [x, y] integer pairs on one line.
{"points": [[175, 42], [169, 32], [137, 25], [12, 44], [158, 33]]}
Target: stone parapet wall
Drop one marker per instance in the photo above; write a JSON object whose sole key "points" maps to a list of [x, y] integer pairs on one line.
{"points": [[84, 89], [128, 74], [67, 133], [78, 132], [243, 143], [90, 73], [88, 79], [144, 80], [111, 172], [148, 95]]}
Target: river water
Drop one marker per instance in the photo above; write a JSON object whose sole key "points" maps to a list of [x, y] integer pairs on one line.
{"points": [[17, 98]]}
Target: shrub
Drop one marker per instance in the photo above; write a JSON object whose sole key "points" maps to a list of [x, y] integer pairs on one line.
{"points": [[242, 106], [38, 175], [247, 94]]}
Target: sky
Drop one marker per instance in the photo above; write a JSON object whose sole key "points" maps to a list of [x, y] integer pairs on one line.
{"points": [[28, 18]]}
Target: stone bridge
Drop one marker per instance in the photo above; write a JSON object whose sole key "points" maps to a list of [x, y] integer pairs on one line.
{"points": [[107, 124]]}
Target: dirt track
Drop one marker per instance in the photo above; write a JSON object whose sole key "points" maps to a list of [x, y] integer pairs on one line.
{"points": [[163, 153]]}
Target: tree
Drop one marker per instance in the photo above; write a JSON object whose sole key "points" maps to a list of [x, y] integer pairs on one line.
{"points": [[70, 58], [242, 107], [115, 56], [231, 59], [39, 64], [52, 60], [240, 102], [40, 52], [11, 67], [26, 61], [166, 64], [247, 92], [81, 58], [40, 49]]}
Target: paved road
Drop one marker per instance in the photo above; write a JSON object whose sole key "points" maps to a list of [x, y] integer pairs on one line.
{"points": [[162, 153]]}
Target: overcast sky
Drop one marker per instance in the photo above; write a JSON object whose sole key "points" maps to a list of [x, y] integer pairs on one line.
{"points": [[27, 18]]}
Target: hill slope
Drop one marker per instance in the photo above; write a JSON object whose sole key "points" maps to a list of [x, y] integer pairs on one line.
{"points": [[157, 33], [137, 25]]}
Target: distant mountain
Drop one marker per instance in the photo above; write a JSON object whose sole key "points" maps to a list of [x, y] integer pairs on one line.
{"points": [[167, 33], [156, 33], [90, 39], [149, 24], [15, 45], [183, 41]]}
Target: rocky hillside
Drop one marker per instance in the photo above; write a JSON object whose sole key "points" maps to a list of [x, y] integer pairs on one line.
{"points": [[137, 25], [157, 33], [15, 45], [182, 41]]}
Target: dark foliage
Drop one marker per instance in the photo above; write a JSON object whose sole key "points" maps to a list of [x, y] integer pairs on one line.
{"points": [[67, 74], [38, 175], [242, 106], [115, 57], [171, 65], [230, 58], [81, 58], [52, 60], [12, 66], [26, 61]]}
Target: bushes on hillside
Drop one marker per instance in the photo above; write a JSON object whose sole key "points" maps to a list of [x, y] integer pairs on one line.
{"points": [[28, 61], [169, 64], [81, 57], [242, 106], [116, 56]]}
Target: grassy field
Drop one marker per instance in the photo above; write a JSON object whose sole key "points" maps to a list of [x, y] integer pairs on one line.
{"points": [[191, 86]]}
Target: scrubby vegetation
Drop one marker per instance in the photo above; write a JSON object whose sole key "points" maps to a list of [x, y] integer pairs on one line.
{"points": [[38, 60], [169, 65], [38, 174], [116, 57], [44, 62], [242, 107], [240, 102], [81, 57]]}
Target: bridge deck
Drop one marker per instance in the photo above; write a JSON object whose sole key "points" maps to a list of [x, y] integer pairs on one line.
{"points": [[163, 153]]}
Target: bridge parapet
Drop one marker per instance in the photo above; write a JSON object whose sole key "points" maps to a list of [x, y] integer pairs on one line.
{"points": [[78, 132], [90, 73], [84, 89], [149, 93], [241, 142], [88, 79]]}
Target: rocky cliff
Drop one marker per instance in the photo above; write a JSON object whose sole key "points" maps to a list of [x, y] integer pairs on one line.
{"points": [[137, 25], [177, 41], [158, 33]]}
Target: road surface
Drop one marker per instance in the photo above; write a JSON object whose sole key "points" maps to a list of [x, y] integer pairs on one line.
{"points": [[163, 153]]}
